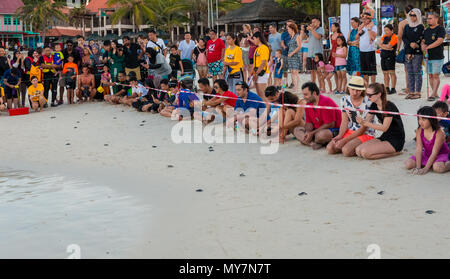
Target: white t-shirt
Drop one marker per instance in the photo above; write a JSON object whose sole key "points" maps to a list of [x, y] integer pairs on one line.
{"points": [[364, 42], [159, 46], [186, 49], [140, 89]]}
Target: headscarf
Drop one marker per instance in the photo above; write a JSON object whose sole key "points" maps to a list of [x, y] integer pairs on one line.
{"points": [[418, 14]]}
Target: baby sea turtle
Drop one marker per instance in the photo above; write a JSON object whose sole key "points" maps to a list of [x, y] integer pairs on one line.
{"points": [[52, 117], [199, 190], [154, 146], [141, 125], [211, 149], [75, 127], [114, 117], [302, 194], [241, 174], [106, 144], [143, 121], [381, 193], [170, 166], [67, 143], [430, 212]]}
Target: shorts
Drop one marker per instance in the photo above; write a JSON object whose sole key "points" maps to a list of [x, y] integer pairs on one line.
{"points": [[362, 138], [368, 63], [11, 93], [435, 66], [263, 79], [215, 68], [310, 64], [62, 82], [276, 75], [285, 63], [334, 131], [303, 50], [201, 68], [340, 68], [99, 96], [136, 70], [388, 64]]}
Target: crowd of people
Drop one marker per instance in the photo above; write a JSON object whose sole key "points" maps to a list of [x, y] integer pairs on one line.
{"points": [[247, 72]]}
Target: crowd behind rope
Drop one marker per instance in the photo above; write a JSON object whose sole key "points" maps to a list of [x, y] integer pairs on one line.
{"points": [[247, 71]]}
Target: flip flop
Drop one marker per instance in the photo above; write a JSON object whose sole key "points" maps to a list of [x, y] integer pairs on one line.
{"points": [[409, 96], [415, 96], [431, 99]]}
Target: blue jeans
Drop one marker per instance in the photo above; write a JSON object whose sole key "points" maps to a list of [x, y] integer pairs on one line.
{"points": [[414, 69]]}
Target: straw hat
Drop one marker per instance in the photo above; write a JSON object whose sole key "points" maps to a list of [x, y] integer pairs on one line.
{"points": [[357, 83]]}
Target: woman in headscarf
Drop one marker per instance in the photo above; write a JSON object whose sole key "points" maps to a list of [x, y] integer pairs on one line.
{"points": [[412, 38]]}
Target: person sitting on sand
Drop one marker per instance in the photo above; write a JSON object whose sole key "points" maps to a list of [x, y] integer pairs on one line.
{"points": [[321, 124], [205, 87], [137, 91], [441, 110], [219, 104], [391, 142], [121, 89], [431, 150], [85, 85], [291, 117], [145, 102], [249, 106], [187, 100], [36, 95], [172, 99], [351, 133]]}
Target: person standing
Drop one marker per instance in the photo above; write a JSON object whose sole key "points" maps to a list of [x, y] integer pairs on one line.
{"points": [[412, 38], [155, 42], [186, 47], [388, 45], [50, 77], [353, 60], [433, 46], [315, 46], [336, 29], [261, 58], [215, 52], [233, 62], [200, 59], [131, 57], [401, 48], [294, 58], [285, 38], [245, 47], [367, 37], [274, 38]]}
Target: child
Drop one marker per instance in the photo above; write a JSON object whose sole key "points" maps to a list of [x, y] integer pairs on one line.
{"points": [[70, 72], [431, 151], [341, 64], [106, 80], [278, 61], [58, 56], [175, 61], [137, 91], [325, 72], [36, 95], [172, 101], [441, 110], [371, 13]]}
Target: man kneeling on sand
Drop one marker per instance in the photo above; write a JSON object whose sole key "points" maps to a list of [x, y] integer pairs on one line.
{"points": [[321, 124], [223, 103], [120, 89]]}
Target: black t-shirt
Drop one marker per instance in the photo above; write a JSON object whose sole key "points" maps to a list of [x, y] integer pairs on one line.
{"points": [[413, 35], [175, 62], [207, 97], [74, 53], [388, 53], [3, 65], [131, 56], [431, 36], [396, 131], [121, 85]]}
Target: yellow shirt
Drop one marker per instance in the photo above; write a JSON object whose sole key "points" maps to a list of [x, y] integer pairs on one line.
{"points": [[234, 55], [32, 92], [261, 53]]}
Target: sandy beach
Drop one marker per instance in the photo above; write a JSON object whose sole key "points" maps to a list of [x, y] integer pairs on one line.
{"points": [[259, 215]]}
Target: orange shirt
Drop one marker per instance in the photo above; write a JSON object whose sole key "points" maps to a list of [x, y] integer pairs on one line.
{"points": [[393, 41], [70, 65]]}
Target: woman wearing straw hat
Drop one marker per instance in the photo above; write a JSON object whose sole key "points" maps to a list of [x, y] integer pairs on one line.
{"points": [[351, 133]]}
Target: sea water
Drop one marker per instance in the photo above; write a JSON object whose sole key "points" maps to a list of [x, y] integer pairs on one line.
{"points": [[52, 216]]}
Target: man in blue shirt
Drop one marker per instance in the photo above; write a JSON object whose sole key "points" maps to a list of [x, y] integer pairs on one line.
{"points": [[249, 106], [285, 39]]}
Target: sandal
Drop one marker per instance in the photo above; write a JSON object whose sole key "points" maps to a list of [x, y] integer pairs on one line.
{"points": [[409, 96], [431, 99], [415, 96]]}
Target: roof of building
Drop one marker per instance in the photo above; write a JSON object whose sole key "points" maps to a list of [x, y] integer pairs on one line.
{"points": [[10, 6], [95, 5], [58, 32]]}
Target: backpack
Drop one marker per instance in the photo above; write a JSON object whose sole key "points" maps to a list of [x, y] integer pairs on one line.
{"points": [[35, 71], [201, 59]]}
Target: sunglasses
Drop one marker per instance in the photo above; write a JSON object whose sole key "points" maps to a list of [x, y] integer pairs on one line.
{"points": [[413, 15], [370, 95]]}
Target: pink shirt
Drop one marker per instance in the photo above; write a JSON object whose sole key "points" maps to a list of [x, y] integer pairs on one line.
{"points": [[339, 60]]}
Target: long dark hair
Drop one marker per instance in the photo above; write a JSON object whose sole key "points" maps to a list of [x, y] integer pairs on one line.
{"points": [[344, 42], [379, 88], [233, 36], [429, 111], [338, 26], [260, 36]]}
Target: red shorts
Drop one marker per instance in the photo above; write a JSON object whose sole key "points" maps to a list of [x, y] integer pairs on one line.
{"points": [[362, 138]]}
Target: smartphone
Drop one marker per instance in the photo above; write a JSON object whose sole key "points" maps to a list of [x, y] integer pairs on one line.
{"points": [[353, 116]]}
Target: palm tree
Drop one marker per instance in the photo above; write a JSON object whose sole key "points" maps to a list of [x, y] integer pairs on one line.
{"points": [[199, 10], [41, 14], [169, 13], [78, 16], [138, 9]]}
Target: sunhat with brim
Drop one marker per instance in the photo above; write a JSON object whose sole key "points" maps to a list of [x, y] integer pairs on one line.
{"points": [[356, 83]]}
